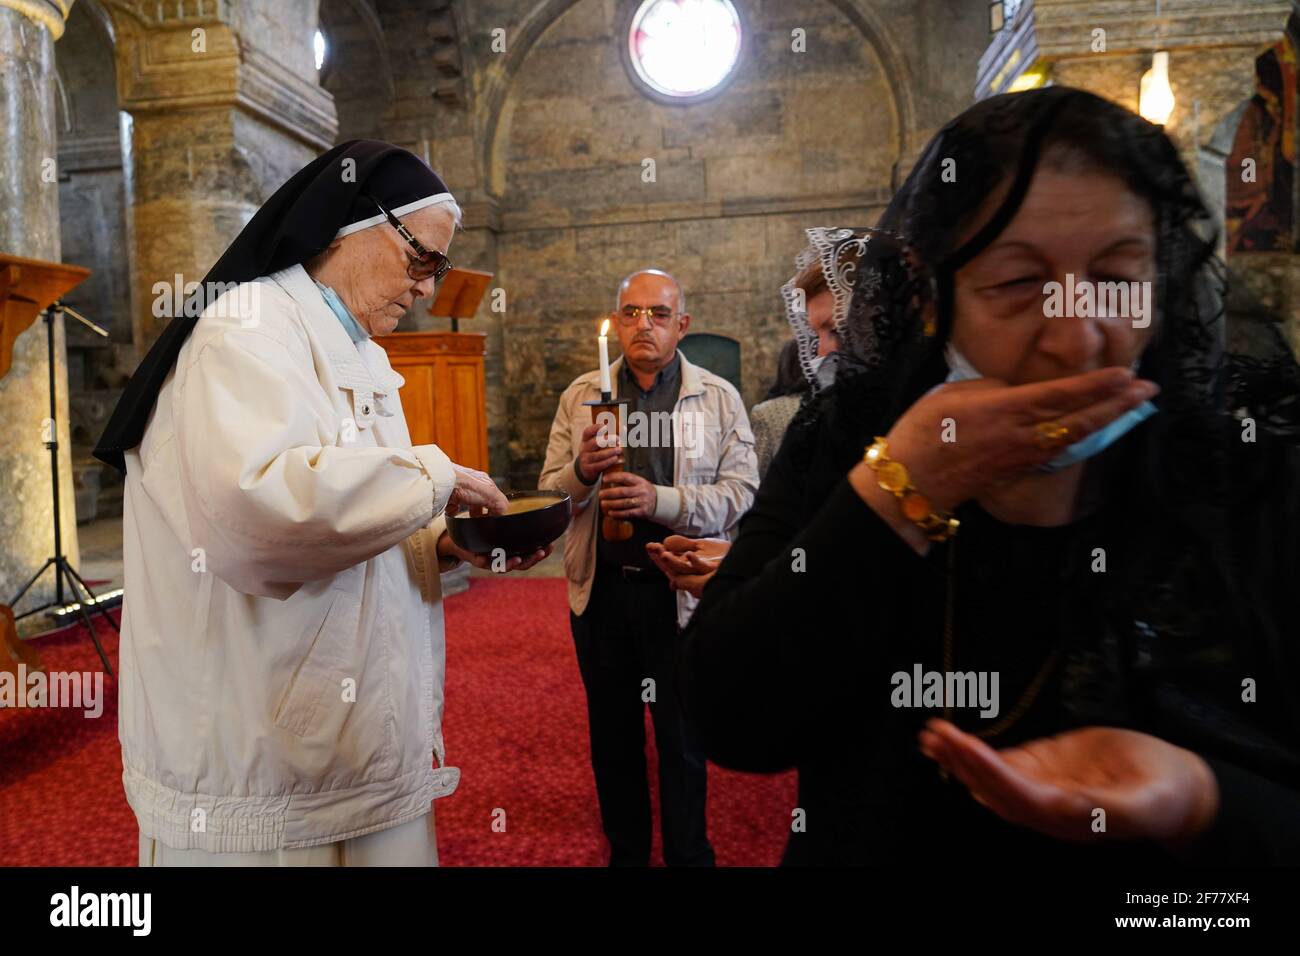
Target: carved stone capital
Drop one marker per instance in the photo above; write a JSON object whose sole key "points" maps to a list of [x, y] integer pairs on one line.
{"points": [[189, 55], [51, 14]]}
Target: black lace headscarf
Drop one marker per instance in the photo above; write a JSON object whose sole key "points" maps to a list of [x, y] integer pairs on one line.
{"points": [[989, 154], [1180, 485], [900, 317]]}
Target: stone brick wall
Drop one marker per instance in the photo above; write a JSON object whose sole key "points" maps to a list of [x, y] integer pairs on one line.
{"points": [[529, 111], [796, 139], [544, 143]]}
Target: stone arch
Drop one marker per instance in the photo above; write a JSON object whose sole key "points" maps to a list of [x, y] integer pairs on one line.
{"points": [[333, 14], [499, 80], [93, 232], [101, 17], [92, 189], [89, 34], [893, 65]]}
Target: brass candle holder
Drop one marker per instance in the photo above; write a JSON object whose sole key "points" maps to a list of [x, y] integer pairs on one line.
{"points": [[613, 529]]}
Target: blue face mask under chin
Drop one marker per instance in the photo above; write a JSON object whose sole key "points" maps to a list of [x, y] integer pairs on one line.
{"points": [[355, 332], [961, 370]]}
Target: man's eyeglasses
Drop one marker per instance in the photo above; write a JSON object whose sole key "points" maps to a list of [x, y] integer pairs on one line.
{"points": [[659, 314], [426, 263]]}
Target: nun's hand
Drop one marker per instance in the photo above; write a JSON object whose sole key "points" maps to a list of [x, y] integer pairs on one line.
{"points": [[449, 551], [1148, 788], [476, 491], [962, 439]]}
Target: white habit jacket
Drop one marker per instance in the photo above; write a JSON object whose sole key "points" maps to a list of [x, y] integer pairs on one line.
{"points": [[281, 667]]}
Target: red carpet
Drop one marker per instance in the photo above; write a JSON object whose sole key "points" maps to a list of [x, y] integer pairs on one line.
{"points": [[516, 725]]}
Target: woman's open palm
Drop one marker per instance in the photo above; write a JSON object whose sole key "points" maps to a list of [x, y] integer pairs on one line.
{"points": [[1144, 787]]}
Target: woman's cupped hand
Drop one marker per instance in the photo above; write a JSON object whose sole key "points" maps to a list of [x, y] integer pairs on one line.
{"points": [[1086, 784]]}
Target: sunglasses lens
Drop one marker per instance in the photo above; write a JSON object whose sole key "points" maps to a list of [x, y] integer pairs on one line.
{"points": [[433, 267]]}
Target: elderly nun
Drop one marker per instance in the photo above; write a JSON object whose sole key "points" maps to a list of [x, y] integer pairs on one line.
{"points": [[281, 686]]}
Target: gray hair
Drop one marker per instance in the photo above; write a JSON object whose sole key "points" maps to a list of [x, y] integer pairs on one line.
{"points": [[454, 208], [627, 280]]}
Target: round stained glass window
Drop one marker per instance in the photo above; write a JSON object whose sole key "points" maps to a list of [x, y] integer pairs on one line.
{"points": [[684, 49]]}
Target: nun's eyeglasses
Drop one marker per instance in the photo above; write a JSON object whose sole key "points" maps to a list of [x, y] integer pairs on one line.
{"points": [[426, 263]]}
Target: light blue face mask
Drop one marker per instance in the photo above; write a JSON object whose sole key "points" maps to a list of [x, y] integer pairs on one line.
{"points": [[823, 369], [350, 325], [961, 370]]}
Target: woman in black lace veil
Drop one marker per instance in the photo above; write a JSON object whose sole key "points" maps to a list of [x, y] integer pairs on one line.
{"points": [[1103, 524]]}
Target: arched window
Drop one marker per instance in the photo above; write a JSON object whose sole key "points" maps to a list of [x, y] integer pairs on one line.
{"points": [[683, 50]]}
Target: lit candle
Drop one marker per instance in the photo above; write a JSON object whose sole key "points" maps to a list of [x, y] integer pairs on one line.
{"points": [[604, 358]]}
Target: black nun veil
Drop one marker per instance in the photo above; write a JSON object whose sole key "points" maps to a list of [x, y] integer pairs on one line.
{"points": [[298, 222]]}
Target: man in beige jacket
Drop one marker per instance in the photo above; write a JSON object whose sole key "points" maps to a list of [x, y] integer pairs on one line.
{"points": [[696, 478]]}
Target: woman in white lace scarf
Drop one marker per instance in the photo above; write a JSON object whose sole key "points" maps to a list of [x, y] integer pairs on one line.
{"points": [[816, 301]]}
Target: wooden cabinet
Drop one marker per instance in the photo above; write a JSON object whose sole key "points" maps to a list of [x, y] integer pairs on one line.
{"points": [[445, 397]]}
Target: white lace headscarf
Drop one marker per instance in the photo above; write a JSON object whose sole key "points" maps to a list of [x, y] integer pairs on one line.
{"points": [[835, 250]]}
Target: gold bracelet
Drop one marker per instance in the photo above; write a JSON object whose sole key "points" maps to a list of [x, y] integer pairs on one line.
{"points": [[893, 477]]}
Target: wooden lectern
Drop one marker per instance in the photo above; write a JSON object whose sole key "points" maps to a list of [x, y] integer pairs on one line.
{"points": [[27, 288], [459, 295]]}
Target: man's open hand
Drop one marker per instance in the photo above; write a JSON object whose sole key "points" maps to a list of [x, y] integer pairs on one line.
{"points": [[689, 563]]}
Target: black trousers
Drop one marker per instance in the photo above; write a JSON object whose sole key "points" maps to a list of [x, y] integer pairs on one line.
{"points": [[627, 634]]}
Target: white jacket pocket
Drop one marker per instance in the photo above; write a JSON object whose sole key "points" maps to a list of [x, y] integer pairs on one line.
{"points": [[317, 684]]}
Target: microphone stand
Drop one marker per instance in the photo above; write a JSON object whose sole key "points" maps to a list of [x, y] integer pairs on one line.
{"points": [[63, 569]]}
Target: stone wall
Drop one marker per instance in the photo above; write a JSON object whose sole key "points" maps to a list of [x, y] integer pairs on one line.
{"points": [[529, 111], [544, 143], [399, 72], [795, 139]]}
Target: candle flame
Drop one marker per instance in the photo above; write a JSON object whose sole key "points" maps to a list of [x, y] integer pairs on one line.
{"points": [[604, 328]]}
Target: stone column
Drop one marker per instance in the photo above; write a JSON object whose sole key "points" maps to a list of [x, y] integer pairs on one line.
{"points": [[29, 227], [225, 106]]}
